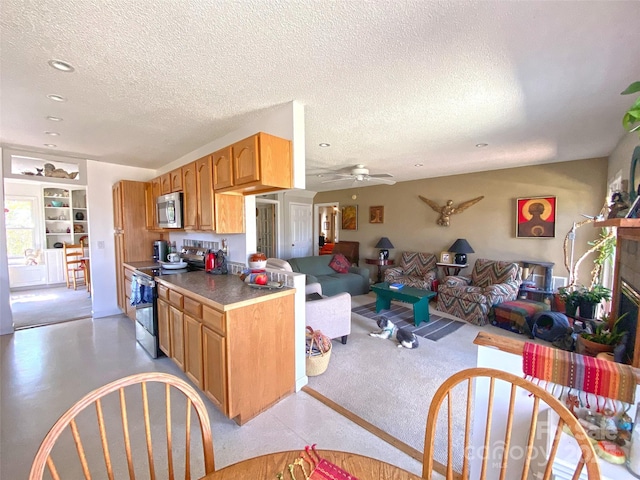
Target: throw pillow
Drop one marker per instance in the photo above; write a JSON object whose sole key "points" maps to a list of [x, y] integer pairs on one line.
{"points": [[339, 263]]}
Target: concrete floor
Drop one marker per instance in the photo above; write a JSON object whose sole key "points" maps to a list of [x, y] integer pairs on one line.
{"points": [[45, 370]]}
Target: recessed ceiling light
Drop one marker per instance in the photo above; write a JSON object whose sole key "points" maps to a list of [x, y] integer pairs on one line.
{"points": [[53, 134], [54, 119], [419, 165], [482, 145], [62, 66], [325, 144], [56, 98], [50, 145], [320, 175]]}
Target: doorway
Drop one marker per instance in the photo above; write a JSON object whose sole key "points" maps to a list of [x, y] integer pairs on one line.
{"points": [[266, 227], [326, 217]]}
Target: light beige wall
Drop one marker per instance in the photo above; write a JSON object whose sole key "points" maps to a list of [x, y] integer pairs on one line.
{"points": [[620, 158], [489, 226]]}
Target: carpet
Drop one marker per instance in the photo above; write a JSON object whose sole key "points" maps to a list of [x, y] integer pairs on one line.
{"points": [[45, 306], [390, 387], [402, 317]]}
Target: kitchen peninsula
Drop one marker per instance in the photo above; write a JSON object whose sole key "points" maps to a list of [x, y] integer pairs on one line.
{"points": [[236, 343]]}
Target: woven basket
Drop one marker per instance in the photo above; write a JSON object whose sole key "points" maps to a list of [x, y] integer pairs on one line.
{"points": [[317, 364]]}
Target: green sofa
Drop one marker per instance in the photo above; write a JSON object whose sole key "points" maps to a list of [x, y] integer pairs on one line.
{"points": [[317, 269]]}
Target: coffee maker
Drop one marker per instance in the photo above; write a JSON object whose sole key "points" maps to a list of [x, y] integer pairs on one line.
{"points": [[160, 250]]}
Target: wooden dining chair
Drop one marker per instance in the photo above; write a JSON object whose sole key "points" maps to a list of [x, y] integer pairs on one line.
{"points": [[142, 424], [501, 400], [74, 268]]}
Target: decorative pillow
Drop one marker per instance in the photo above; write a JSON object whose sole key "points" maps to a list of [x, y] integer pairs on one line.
{"points": [[339, 263]]}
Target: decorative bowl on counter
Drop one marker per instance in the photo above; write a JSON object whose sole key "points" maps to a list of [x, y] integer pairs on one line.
{"points": [[257, 261]]}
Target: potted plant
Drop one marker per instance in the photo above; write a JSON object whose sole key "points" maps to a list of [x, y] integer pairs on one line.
{"points": [[602, 338], [632, 115], [590, 298], [570, 297]]}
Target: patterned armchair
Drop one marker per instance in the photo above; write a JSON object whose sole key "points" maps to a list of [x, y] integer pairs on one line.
{"points": [[416, 269], [470, 298]]}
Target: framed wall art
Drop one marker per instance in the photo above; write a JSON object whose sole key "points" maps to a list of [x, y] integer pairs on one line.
{"points": [[350, 217], [376, 214], [536, 217]]}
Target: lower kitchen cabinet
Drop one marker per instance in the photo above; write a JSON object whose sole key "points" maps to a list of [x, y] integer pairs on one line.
{"points": [[193, 350], [164, 338], [241, 355], [176, 327]]}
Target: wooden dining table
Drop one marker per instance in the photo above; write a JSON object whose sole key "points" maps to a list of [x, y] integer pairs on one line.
{"points": [[268, 466]]}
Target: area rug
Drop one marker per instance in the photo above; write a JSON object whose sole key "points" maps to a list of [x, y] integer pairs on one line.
{"points": [[402, 317]]}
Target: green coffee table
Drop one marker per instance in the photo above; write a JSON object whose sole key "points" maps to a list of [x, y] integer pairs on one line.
{"points": [[416, 296]]}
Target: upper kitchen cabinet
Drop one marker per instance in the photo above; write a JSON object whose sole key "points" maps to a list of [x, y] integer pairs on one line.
{"points": [[260, 163], [171, 182]]}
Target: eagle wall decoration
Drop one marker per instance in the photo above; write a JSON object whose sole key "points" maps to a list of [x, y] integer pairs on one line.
{"points": [[449, 208]]}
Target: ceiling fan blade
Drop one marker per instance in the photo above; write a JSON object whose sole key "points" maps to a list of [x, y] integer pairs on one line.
{"points": [[381, 180], [381, 175], [343, 178]]}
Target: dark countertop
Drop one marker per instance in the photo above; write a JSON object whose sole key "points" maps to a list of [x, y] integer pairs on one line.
{"points": [[226, 292], [145, 264]]}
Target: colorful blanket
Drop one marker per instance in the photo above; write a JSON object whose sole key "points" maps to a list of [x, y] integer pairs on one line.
{"points": [[588, 374]]}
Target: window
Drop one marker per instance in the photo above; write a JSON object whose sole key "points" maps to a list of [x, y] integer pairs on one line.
{"points": [[21, 225]]}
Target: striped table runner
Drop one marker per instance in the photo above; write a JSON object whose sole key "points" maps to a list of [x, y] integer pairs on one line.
{"points": [[588, 374]]}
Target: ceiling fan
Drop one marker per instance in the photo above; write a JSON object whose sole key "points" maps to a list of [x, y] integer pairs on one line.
{"points": [[360, 173]]}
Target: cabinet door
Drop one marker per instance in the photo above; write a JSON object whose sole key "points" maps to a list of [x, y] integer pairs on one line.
{"points": [[205, 193], [55, 265], [229, 213], [222, 168], [176, 324], [165, 184], [176, 180], [193, 349], [214, 368], [156, 188], [246, 168], [190, 196], [150, 204], [116, 191], [119, 247], [164, 332]]}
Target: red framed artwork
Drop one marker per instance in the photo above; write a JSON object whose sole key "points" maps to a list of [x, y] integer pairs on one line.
{"points": [[536, 217]]}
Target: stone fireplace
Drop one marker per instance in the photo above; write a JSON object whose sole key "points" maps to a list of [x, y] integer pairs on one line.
{"points": [[626, 286]]}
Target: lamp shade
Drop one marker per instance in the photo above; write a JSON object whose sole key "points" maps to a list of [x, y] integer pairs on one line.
{"points": [[384, 242], [461, 247]]}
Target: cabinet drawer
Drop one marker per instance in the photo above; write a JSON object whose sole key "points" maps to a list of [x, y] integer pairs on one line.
{"points": [[127, 289], [175, 298], [128, 274], [213, 319], [163, 292], [193, 308]]}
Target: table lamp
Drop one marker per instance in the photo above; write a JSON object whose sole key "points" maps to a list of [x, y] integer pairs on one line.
{"points": [[461, 247], [384, 244]]}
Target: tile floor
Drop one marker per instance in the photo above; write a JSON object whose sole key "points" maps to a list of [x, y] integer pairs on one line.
{"points": [[45, 370]]}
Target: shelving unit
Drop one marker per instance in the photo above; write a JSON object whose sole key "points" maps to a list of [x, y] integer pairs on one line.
{"points": [[65, 214]]}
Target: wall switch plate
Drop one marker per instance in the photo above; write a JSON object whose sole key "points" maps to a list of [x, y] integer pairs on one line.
{"points": [[101, 244]]}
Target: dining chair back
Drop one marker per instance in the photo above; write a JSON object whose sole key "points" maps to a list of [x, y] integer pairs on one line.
{"points": [[140, 425], [74, 268], [483, 443]]}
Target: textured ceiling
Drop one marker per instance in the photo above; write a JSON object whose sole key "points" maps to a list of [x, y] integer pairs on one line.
{"points": [[389, 84]]}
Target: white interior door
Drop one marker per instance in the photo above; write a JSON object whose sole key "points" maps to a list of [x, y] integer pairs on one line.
{"points": [[301, 230]]}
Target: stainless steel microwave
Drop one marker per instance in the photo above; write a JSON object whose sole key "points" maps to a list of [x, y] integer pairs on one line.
{"points": [[169, 210]]}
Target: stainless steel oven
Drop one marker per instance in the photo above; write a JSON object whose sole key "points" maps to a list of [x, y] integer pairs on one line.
{"points": [[145, 298]]}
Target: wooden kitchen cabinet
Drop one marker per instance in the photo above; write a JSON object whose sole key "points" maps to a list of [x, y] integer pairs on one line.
{"points": [[132, 241], [175, 177], [176, 328], [164, 338], [190, 197], [165, 184], [226, 350], [204, 184], [193, 349], [260, 163], [129, 309], [222, 168], [214, 376]]}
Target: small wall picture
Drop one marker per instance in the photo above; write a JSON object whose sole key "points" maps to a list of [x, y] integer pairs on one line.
{"points": [[445, 257], [536, 217], [350, 217], [376, 214]]}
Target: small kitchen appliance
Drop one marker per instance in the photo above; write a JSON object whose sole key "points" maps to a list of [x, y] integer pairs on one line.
{"points": [[169, 210], [160, 250]]}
